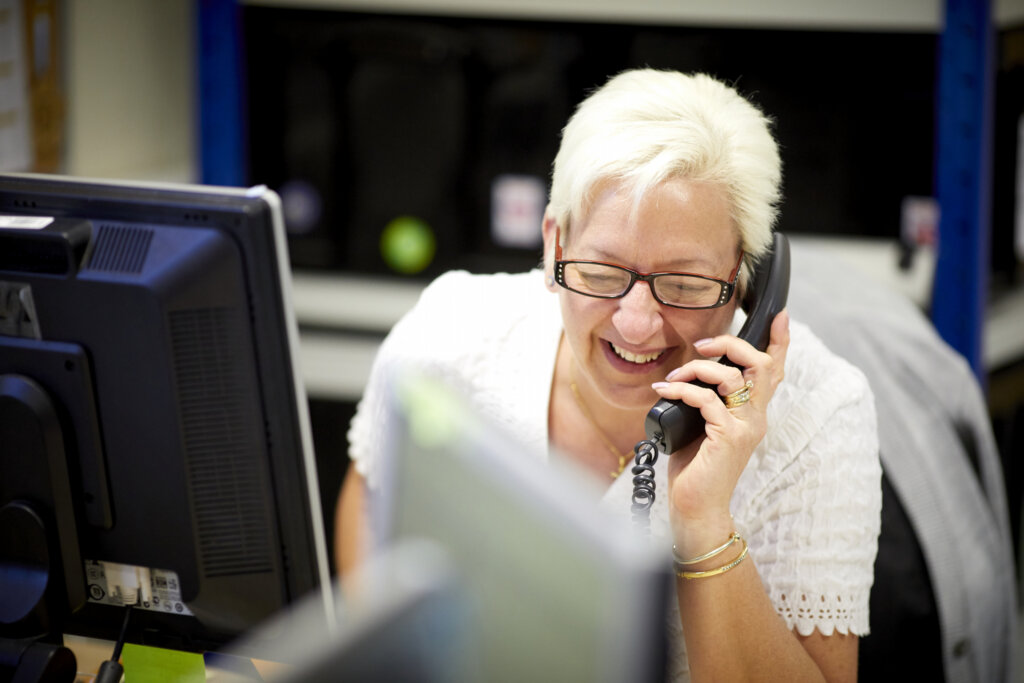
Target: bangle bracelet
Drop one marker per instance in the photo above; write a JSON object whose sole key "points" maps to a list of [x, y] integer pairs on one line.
{"points": [[715, 572], [706, 556]]}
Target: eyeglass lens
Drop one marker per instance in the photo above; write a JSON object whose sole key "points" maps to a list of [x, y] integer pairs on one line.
{"points": [[604, 280]]}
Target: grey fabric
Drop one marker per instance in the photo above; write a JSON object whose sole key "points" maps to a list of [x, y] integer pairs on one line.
{"points": [[931, 413]]}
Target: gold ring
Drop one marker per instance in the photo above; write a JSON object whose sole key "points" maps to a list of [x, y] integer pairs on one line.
{"points": [[739, 397]]}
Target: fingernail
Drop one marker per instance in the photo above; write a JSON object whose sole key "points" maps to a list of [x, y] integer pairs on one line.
{"points": [[703, 342], [672, 375], [659, 385]]}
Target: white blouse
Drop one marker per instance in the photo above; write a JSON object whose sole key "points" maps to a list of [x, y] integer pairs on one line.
{"points": [[808, 502]]}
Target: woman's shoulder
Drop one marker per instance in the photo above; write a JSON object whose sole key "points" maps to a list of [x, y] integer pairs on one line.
{"points": [[814, 370], [822, 435], [823, 396], [461, 314], [482, 291], [469, 303], [471, 332]]}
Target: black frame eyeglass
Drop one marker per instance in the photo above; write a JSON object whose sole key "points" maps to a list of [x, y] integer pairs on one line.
{"points": [[727, 287]]}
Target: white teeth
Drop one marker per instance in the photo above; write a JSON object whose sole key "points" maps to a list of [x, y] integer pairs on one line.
{"points": [[635, 357]]}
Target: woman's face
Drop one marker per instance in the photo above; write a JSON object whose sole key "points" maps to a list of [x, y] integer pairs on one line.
{"points": [[621, 346]]}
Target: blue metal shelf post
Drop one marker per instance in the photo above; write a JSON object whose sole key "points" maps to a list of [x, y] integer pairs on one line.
{"points": [[963, 158], [222, 152]]}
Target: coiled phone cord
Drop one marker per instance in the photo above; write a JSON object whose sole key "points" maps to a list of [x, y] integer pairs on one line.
{"points": [[645, 454]]}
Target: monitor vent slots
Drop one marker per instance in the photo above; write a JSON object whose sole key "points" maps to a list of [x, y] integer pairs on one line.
{"points": [[219, 426], [120, 249]]}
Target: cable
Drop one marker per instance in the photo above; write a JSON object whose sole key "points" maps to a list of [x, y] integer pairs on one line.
{"points": [[111, 670], [645, 455]]}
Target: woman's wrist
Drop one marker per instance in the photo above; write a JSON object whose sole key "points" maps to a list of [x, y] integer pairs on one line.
{"points": [[684, 568], [696, 537]]}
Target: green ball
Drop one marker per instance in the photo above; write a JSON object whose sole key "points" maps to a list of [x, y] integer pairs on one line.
{"points": [[407, 245]]}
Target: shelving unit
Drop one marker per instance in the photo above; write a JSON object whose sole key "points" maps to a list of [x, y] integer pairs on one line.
{"points": [[151, 62]]}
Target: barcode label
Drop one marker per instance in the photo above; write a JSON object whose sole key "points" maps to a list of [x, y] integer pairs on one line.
{"points": [[163, 594]]}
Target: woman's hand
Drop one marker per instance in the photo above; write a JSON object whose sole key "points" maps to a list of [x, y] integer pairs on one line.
{"points": [[703, 475]]}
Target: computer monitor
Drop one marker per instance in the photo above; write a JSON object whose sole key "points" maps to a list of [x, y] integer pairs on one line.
{"points": [[151, 413], [401, 616], [557, 588]]}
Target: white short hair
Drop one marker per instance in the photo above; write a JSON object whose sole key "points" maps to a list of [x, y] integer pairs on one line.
{"points": [[646, 126]]}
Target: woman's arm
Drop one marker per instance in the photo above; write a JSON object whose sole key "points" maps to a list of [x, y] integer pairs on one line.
{"points": [[350, 523], [733, 633], [731, 627]]}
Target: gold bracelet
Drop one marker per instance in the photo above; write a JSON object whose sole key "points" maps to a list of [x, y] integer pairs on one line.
{"points": [[715, 572], [707, 556]]}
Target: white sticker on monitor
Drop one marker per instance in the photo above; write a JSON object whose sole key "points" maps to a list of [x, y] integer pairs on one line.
{"points": [[517, 210], [25, 222], [919, 221], [164, 594]]}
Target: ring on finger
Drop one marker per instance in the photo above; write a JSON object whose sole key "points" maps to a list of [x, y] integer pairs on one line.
{"points": [[740, 396]]}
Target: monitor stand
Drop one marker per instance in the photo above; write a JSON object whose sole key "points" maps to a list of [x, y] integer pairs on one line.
{"points": [[35, 503]]}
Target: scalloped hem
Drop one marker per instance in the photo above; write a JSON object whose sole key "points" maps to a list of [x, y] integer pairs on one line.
{"points": [[828, 615]]}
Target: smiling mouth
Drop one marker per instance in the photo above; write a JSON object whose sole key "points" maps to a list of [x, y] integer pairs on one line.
{"points": [[637, 358]]}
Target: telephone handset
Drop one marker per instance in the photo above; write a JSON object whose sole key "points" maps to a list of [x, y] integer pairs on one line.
{"points": [[673, 424]]}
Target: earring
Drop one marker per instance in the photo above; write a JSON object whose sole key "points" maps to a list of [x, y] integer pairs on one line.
{"points": [[551, 280]]}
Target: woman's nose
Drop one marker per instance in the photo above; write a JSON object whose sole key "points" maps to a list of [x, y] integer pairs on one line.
{"points": [[638, 317]]}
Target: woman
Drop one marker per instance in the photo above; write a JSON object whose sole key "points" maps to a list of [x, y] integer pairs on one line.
{"points": [[774, 513]]}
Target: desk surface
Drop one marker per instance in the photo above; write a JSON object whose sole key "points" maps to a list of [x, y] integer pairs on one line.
{"points": [[90, 653]]}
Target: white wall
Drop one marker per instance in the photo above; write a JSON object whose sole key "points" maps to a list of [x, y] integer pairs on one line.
{"points": [[130, 74], [1008, 12]]}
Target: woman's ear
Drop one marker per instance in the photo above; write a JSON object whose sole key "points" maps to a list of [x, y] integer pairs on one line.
{"points": [[550, 234]]}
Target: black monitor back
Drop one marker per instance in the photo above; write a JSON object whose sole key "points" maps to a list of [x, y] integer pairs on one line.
{"points": [[150, 412]]}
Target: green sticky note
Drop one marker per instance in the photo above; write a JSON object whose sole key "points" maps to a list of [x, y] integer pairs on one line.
{"points": [[144, 664]]}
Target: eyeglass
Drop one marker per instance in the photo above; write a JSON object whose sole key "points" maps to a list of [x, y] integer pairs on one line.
{"points": [[611, 281]]}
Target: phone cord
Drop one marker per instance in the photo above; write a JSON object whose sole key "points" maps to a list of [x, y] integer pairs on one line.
{"points": [[645, 454]]}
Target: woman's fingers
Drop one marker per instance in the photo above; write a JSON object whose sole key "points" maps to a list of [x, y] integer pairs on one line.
{"points": [[710, 404], [704, 474], [761, 367], [726, 377], [778, 343]]}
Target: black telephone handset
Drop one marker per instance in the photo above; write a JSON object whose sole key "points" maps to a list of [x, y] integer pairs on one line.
{"points": [[673, 424]]}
